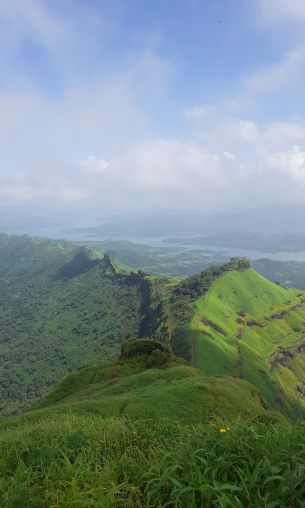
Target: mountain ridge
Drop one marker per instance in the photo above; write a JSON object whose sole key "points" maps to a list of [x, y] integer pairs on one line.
{"points": [[132, 423], [76, 306]]}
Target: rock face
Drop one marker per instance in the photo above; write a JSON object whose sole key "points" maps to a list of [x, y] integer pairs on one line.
{"points": [[284, 356], [238, 264], [106, 266]]}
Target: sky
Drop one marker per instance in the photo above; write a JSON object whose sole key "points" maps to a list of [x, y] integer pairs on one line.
{"points": [[129, 104]]}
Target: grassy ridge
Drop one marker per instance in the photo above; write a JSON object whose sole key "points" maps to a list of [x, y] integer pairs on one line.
{"points": [[128, 388], [236, 327]]}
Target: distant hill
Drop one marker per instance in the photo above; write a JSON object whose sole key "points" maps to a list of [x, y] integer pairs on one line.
{"points": [[178, 261], [279, 219]]}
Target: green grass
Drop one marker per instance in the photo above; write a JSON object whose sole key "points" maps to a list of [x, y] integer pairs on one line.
{"points": [[128, 388], [71, 461], [232, 333], [124, 435]]}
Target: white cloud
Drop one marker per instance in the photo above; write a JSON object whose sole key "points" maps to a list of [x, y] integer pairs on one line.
{"points": [[94, 166], [197, 112], [171, 164], [33, 20], [225, 161], [229, 156], [213, 159], [284, 22], [279, 75], [18, 192], [266, 162], [291, 162], [280, 10], [69, 194], [45, 138], [27, 192]]}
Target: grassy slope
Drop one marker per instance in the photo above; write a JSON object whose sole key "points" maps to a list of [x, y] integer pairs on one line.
{"points": [[230, 324], [122, 435], [126, 388]]}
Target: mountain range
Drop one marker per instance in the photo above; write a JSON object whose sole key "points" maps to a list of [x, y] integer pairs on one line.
{"points": [[63, 307], [124, 389]]}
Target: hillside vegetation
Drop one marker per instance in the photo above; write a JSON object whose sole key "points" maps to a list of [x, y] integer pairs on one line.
{"points": [[63, 307], [194, 409], [153, 385], [130, 435], [72, 460], [250, 328]]}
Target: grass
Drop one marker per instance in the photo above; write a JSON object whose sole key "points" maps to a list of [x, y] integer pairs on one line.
{"points": [[128, 389], [124, 435], [71, 461], [234, 332]]}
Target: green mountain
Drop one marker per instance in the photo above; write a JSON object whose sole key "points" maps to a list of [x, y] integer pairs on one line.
{"points": [[250, 328], [63, 307], [178, 261], [191, 410]]}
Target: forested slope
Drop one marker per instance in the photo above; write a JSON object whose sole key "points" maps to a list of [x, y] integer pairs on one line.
{"points": [[60, 308]]}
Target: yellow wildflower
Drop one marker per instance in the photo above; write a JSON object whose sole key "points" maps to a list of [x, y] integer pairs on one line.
{"points": [[224, 429]]}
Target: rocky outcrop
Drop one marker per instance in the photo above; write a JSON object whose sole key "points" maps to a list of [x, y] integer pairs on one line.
{"points": [[83, 261], [237, 264], [284, 356], [276, 315], [106, 266]]}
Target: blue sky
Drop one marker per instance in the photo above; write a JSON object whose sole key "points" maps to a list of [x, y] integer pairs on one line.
{"points": [[173, 103]]}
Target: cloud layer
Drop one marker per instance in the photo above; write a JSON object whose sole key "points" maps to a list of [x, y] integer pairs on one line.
{"points": [[99, 135]]}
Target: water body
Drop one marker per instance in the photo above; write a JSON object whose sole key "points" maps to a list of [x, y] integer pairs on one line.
{"points": [[165, 241], [68, 232]]}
